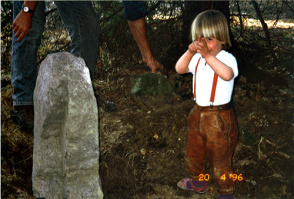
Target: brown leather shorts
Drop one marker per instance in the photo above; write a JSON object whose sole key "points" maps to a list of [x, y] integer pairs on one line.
{"points": [[212, 134]]}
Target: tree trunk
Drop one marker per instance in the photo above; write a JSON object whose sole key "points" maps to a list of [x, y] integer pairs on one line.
{"points": [[240, 16], [265, 28]]}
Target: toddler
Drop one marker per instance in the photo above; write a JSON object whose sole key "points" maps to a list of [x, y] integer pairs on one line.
{"points": [[212, 124]]}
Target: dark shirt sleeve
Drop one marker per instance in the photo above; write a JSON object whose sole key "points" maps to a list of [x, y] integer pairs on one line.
{"points": [[134, 10]]}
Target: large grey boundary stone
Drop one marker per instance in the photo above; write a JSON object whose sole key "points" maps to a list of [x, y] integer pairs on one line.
{"points": [[66, 137]]}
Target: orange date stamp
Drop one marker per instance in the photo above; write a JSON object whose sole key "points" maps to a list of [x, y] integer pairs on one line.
{"points": [[206, 177]]}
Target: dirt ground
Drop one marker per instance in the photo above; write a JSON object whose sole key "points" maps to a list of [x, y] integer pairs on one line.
{"points": [[142, 142]]}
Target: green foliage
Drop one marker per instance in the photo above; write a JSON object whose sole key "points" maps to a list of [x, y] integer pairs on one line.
{"points": [[112, 23], [55, 37], [247, 136], [6, 32]]}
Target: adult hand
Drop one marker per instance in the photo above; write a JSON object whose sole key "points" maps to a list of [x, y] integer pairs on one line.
{"points": [[153, 64], [22, 25]]}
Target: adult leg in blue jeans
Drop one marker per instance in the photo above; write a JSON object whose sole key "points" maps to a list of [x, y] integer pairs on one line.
{"points": [[80, 20], [24, 66], [82, 24], [24, 56]]}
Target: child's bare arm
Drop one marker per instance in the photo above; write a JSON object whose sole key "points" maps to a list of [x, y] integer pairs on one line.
{"points": [[222, 70], [183, 63]]}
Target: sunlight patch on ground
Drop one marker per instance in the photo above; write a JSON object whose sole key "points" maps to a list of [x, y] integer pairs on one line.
{"points": [[248, 22], [162, 17], [270, 23]]}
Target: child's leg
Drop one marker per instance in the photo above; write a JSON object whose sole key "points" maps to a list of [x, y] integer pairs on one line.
{"points": [[195, 155], [195, 151], [222, 133]]}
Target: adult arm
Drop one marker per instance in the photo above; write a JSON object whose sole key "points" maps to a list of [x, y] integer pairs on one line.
{"points": [[135, 12], [22, 23], [138, 29]]}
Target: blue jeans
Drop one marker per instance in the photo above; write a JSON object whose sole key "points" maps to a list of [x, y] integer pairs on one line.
{"points": [[82, 24], [134, 10]]}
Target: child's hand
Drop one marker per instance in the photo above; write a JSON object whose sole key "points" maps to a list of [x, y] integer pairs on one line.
{"points": [[202, 47], [199, 46], [193, 47]]}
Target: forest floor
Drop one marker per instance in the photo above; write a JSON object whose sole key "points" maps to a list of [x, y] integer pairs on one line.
{"points": [[142, 142]]}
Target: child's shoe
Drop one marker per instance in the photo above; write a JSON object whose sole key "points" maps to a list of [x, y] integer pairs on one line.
{"points": [[193, 185], [229, 196]]}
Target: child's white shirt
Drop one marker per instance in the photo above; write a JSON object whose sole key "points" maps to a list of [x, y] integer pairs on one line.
{"points": [[204, 79]]}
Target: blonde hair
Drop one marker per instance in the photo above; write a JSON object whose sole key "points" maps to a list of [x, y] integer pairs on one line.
{"points": [[211, 24]]}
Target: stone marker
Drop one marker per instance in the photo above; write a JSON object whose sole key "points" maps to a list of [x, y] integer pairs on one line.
{"points": [[66, 139]]}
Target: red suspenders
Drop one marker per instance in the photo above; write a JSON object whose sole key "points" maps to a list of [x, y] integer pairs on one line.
{"points": [[195, 78], [215, 78], [213, 88]]}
